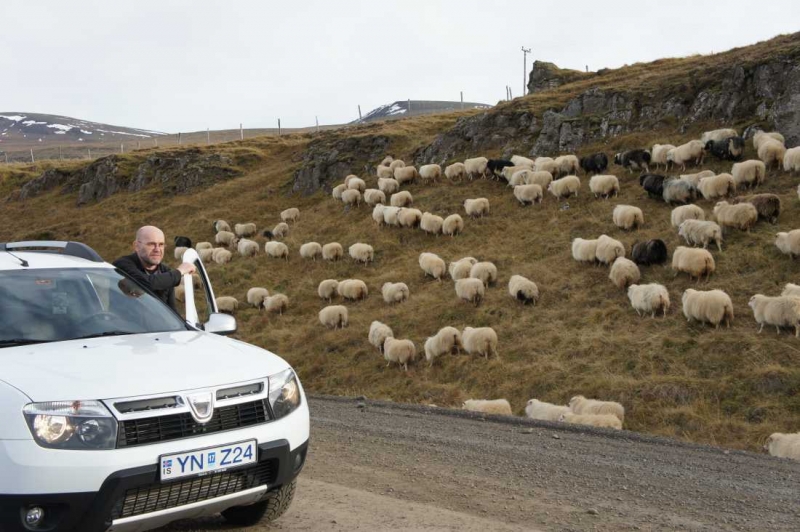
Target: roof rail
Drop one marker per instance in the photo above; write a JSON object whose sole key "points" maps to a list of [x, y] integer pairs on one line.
{"points": [[74, 249]]}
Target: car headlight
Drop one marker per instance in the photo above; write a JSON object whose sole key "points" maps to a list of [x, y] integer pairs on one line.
{"points": [[73, 425], [284, 393]]}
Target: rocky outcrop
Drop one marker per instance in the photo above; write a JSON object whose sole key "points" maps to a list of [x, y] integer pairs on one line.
{"points": [[547, 76], [49, 180], [183, 172]]}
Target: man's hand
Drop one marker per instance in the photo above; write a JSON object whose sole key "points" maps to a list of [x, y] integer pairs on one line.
{"points": [[186, 268]]}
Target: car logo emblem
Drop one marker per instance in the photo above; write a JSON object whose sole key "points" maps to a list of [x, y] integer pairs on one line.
{"points": [[202, 406]]}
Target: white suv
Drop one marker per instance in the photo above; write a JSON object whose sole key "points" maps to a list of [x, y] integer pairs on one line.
{"points": [[118, 414]]}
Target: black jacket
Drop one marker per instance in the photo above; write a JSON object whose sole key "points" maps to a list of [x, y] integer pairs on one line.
{"points": [[161, 282]]}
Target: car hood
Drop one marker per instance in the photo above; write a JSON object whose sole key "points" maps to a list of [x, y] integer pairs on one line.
{"points": [[132, 365]]}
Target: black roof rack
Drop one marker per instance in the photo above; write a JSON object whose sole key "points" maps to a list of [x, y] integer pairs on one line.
{"points": [[74, 249]]}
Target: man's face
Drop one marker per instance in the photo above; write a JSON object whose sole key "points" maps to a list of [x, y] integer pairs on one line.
{"points": [[150, 247]]}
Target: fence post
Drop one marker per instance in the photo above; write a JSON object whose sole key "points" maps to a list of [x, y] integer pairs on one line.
{"points": [[59, 153], [462, 100], [316, 119], [90, 152], [156, 140], [241, 132], [359, 113], [180, 139], [6, 154], [121, 148], [279, 127], [409, 106], [208, 136], [138, 144], [32, 159]]}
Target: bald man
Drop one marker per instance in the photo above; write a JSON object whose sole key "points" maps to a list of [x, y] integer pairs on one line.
{"points": [[145, 267]]}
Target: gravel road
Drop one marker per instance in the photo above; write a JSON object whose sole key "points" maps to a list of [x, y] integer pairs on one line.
{"points": [[382, 466]]}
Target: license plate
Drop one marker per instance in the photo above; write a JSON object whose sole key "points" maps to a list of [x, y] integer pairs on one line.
{"points": [[210, 460]]}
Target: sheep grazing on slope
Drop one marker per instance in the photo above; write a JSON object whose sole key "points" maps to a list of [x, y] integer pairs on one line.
{"points": [[761, 137], [221, 256], [565, 187], [221, 225], [729, 149], [442, 343], [748, 173], [594, 163], [356, 183], [509, 172], [431, 224], [400, 351], [658, 154], [390, 216], [649, 299], [227, 304], [528, 194], [541, 178], [311, 250], [377, 214], [337, 191], [455, 172], [791, 290], [694, 262], [523, 290], [581, 405], [608, 249], [768, 206], [784, 445], [351, 197], [717, 186], [401, 199], [279, 231], [567, 164], [781, 311], [334, 317], [545, 164], [186, 242], [290, 215], [406, 174], [633, 160], [460, 268], [695, 178], [536, 409], [332, 251], [206, 255], [276, 303], [256, 296], [378, 333], [485, 271], [387, 161], [247, 248], [627, 217], [480, 341], [678, 191], [373, 196], [584, 250], [686, 212], [604, 185], [771, 153], [226, 238], [718, 134], [470, 290], [650, 252], [453, 225], [496, 166], [692, 151], [701, 233], [388, 185], [179, 251], [519, 160], [277, 250], [498, 407], [653, 184], [352, 289], [520, 177], [397, 163], [409, 217], [476, 167], [361, 252], [624, 272], [789, 243], [432, 265], [791, 160], [327, 289], [394, 292], [476, 207], [245, 230], [712, 306], [742, 216], [606, 421], [203, 245]]}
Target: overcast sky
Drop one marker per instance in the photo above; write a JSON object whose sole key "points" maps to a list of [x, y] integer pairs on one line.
{"points": [[180, 65]]}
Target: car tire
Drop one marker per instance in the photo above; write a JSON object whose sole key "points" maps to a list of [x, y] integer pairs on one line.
{"points": [[272, 507]]}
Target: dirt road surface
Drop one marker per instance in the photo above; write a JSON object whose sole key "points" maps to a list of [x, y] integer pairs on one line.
{"points": [[381, 466]]}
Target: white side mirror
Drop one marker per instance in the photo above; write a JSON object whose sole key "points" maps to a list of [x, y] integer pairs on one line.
{"points": [[220, 323]]}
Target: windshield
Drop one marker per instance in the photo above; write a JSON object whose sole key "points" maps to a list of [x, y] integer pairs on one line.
{"points": [[64, 304]]}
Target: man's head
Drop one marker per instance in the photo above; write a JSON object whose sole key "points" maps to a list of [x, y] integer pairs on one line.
{"points": [[149, 246]]}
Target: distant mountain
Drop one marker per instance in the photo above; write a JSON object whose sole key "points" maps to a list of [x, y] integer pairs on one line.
{"points": [[400, 108], [28, 128]]}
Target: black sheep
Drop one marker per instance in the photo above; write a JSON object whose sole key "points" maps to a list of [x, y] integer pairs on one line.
{"points": [[653, 184], [729, 149], [595, 163], [183, 242], [496, 165], [633, 159], [650, 252]]}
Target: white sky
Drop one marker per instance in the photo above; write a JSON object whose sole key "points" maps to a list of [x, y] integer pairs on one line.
{"points": [[180, 65]]}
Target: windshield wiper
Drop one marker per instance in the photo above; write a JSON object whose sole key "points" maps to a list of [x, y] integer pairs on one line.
{"points": [[98, 335], [11, 342]]}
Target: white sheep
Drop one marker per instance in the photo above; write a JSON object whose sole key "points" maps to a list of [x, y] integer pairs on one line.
{"points": [[390, 215], [658, 155], [497, 407], [179, 251], [397, 163], [584, 250], [717, 186], [311, 250], [352, 289], [337, 191], [247, 248], [453, 225], [430, 223], [565, 187], [227, 304], [519, 177], [748, 173], [430, 172], [277, 250], [327, 289], [244, 230], [791, 160], [581, 405], [290, 215], [442, 343], [789, 242], [373, 196], [608, 249], [649, 298], [485, 271], [604, 185], [476, 167], [348, 179], [387, 161], [541, 178], [356, 183], [226, 238], [523, 290], [781, 311], [480, 341], [686, 212], [470, 290], [791, 290], [333, 317], [762, 136], [276, 303], [692, 151], [378, 333], [772, 152], [361, 252], [395, 292], [624, 272], [740, 216], [508, 171], [221, 225], [545, 164], [519, 160], [401, 199], [784, 445], [256, 296], [536, 409], [695, 178], [400, 351], [699, 232], [712, 306], [476, 207], [460, 268], [409, 217], [377, 214], [351, 196], [432, 265], [627, 217], [606, 421], [718, 134], [455, 172], [388, 185], [332, 251], [280, 230], [528, 194], [384, 172], [203, 245], [565, 165], [405, 174], [694, 262], [206, 254], [221, 256]]}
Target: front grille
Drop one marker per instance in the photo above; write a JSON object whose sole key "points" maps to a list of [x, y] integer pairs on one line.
{"points": [[155, 497], [175, 426]]}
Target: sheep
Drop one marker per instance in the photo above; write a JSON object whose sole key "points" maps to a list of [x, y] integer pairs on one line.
{"points": [[566, 165], [649, 252], [694, 179], [523, 290], [781, 311], [290, 215], [387, 161], [377, 214], [789, 243], [221, 256], [470, 290], [226, 238], [730, 148], [581, 405], [397, 163], [453, 225], [712, 306], [475, 167], [460, 269], [352, 289], [519, 160], [221, 225], [247, 248], [678, 191], [784, 445], [694, 262], [545, 164], [432, 265], [634, 159], [378, 333], [608, 249], [179, 251], [388, 185], [409, 217], [699, 232], [277, 250], [742, 216], [384, 172], [337, 191], [356, 183], [373, 196], [606, 421], [334, 316], [206, 254], [649, 298], [717, 186], [772, 152], [768, 206], [279, 231], [441, 343], [536, 409], [476, 207], [761, 137], [348, 179], [455, 171], [791, 290], [658, 154], [394, 292], [584, 250], [653, 184], [624, 272], [430, 172], [749, 173], [480, 341], [565, 187], [351, 197], [276, 303], [390, 215], [485, 271], [594, 163], [332, 251], [311, 250], [227, 304], [516, 175], [627, 217], [400, 351], [694, 150], [686, 212], [405, 174], [497, 407], [204, 245], [430, 223], [361, 252], [541, 178], [401, 199], [528, 194], [604, 185], [244, 230], [791, 160], [327, 289], [718, 134]]}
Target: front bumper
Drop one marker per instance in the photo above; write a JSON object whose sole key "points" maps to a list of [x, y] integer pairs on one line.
{"points": [[134, 499]]}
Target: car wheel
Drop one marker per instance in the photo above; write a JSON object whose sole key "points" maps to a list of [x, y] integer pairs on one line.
{"points": [[272, 507]]}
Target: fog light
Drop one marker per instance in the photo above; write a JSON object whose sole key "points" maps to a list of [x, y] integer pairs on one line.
{"points": [[34, 516], [298, 461]]}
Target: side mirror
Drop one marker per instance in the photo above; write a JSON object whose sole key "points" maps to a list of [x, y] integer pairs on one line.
{"points": [[219, 323]]}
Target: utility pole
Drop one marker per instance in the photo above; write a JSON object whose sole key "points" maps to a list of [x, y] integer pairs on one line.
{"points": [[525, 52], [359, 113], [32, 160], [462, 100], [59, 153], [316, 119]]}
